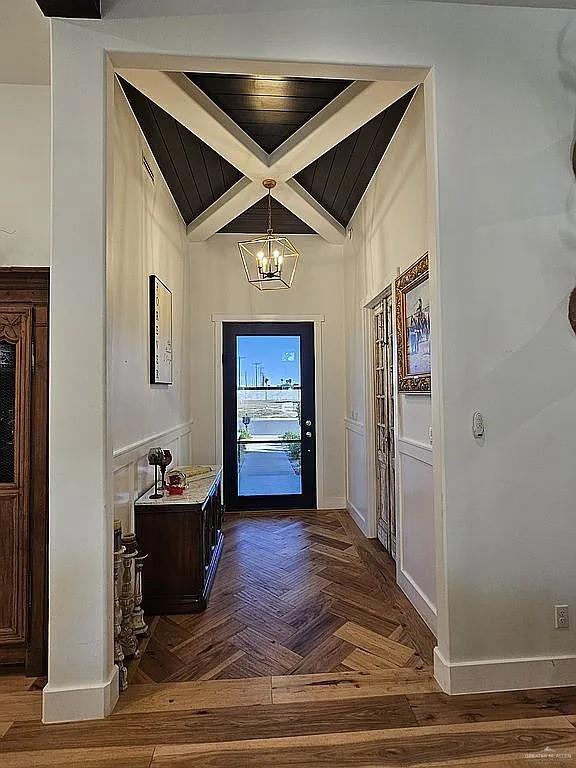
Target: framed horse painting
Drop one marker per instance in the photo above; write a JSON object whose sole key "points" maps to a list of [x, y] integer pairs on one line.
{"points": [[413, 328]]}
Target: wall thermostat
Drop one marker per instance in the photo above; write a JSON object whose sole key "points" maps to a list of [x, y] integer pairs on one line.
{"points": [[477, 424]]}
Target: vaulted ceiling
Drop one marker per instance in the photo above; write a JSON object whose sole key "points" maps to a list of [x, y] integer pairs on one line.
{"points": [[197, 176], [269, 109], [323, 139]]}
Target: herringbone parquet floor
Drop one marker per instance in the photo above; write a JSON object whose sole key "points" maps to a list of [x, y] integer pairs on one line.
{"points": [[295, 594]]}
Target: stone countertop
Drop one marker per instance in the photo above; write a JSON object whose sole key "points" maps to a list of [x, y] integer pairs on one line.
{"points": [[197, 489]]}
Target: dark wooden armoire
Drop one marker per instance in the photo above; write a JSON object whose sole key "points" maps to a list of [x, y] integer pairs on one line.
{"points": [[24, 301]]}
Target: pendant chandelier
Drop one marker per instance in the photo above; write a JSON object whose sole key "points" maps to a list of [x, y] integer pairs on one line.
{"points": [[269, 260]]}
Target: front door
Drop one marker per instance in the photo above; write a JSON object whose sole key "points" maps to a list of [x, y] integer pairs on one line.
{"points": [[269, 416]]}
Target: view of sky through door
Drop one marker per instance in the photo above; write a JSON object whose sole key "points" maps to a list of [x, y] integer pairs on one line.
{"points": [[268, 389]]}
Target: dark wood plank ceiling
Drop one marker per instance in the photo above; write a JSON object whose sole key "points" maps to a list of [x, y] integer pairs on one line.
{"points": [[269, 109], [196, 175], [71, 9], [255, 221], [339, 178]]}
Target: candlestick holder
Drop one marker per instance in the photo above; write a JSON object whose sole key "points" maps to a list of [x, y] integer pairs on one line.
{"points": [[164, 464], [156, 459]]}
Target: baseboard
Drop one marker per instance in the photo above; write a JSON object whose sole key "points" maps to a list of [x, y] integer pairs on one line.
{"points": [[491, 675], [357, 516], [332, 502], [93, 702], [418, 599]]}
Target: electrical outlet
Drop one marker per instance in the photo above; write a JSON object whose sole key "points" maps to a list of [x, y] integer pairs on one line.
{"points": [[561, 617]]}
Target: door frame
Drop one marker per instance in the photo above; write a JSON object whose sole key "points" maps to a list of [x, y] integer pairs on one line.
{"points": [[322, 502], [308, 497]]}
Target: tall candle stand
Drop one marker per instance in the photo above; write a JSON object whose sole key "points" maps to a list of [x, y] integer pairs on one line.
{"points": [[138, 622], [118, 653], [128, 639]]}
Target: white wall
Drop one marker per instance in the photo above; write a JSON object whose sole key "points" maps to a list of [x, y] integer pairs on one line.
{"points": [[148, 237], [501, 99], [24, 44], [218, 285], [389, 233], [25, 174]]}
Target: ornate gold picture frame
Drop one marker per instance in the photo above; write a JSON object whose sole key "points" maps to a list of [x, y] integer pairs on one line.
{"points": [[413, 328]]}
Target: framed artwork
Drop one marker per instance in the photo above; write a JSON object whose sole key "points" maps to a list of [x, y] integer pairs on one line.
{"points": [[413, 328], [160, 332]]}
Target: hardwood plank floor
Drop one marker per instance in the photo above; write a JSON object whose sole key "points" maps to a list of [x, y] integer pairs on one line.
{"points": [[451, 745], [308, 670], [395, 717], [100, 757], [294, 594]]}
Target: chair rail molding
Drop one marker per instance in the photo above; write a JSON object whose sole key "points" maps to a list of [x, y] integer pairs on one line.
{"points": [[354, 426], [128, 453], [131, 473]]}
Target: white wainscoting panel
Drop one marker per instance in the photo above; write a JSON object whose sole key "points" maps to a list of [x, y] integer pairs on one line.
{"points": [[415, 497], [356, 497], [133, 475]]}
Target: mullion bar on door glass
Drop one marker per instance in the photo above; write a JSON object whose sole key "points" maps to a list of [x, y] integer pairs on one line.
{"points": [[268, 399]]}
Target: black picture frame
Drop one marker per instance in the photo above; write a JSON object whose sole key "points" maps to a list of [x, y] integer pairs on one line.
{"points": [[160, 332]]}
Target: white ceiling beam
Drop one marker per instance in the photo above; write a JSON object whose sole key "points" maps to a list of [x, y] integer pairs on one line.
{"points": [[181, 98], [224, 210], [294, 197], [350, 110], [188, 104]]}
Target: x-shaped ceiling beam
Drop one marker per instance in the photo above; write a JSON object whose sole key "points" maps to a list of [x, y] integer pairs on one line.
{"points": [[187, 103]]}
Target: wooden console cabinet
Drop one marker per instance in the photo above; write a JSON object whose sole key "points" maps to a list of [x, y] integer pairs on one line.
{"points": [[182, 536]]}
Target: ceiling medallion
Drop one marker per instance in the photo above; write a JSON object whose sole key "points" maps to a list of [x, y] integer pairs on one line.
{"points": [[269, 260]]}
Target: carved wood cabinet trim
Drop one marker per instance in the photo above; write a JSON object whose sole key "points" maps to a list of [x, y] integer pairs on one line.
{"points": [[16, 329]]}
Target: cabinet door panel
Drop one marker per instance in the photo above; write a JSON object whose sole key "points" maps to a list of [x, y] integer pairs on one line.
{"points": [[15, 391], [12, 627]]}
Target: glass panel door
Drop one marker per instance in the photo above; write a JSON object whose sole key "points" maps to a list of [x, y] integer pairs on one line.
{"points": [[269, 442], [7, 410], [382, 329]]}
